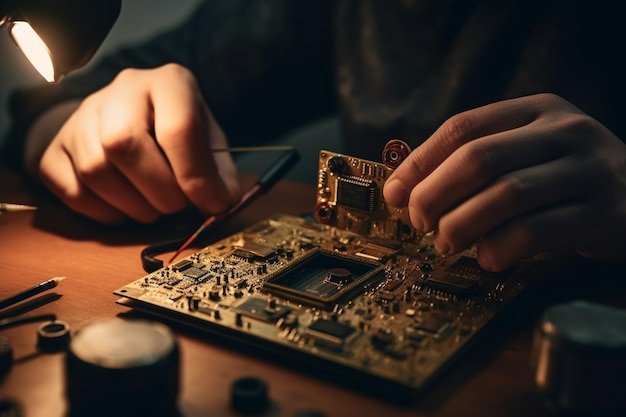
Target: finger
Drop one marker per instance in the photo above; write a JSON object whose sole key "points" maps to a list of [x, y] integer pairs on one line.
{"points": [[455, 132], [537, 232], [94, 169], [510, 196], [185, 131], [226, 166], [57, 173], [125, 136], [474, 166]]}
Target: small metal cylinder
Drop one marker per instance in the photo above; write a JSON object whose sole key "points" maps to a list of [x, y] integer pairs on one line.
{"points": [[579, 358]]}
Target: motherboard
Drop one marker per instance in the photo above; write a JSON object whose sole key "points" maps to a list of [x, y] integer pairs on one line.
{"points": [[355, 291]]}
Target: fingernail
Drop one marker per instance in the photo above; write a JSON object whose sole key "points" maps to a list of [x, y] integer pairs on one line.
{"points": [[416, 220], [396, 194], [483, 261], [442, 248]]}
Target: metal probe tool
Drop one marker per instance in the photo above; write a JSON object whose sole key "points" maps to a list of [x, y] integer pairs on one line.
{"points": [[265, 182]]}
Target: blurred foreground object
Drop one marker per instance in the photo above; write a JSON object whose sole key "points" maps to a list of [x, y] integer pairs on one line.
{"points": [[126, 368], [10, 207], [579, 358]]}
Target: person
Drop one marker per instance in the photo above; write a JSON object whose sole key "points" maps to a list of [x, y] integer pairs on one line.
{"points": [[513, 110]]}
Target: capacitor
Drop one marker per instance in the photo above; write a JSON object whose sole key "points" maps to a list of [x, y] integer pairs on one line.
{"points": [[394, 152], [195, 302], [323, 212], [579, 358], [249, 395], [124, 368], [214, 294], [53, 336], [336, 164]]}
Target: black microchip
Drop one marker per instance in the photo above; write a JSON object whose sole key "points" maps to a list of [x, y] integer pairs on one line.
{"points": [[452, 283], [244, 254], [182, 265], [463, 276], [356, 193], [194, 273], [434, 325], [322, 278], [252, 251], [330, 333], [260, 309]]}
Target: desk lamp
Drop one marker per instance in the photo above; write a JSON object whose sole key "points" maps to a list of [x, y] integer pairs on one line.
{"points": [[58, 36]]}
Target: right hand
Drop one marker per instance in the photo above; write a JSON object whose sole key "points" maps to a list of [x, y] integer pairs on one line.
{"points": [[138, 148], [518, 177]]}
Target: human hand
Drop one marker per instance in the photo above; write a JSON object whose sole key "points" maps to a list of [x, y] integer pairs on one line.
{"points": [[517, 177], [139, 148]]}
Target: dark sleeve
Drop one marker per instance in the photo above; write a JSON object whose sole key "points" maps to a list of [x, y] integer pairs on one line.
{"points": [[264, 67]]}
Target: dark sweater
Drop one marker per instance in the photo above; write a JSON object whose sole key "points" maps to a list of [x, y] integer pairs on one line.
{"points": [[390, 69]]}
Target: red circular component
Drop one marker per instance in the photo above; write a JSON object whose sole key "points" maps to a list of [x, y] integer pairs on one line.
{"points": [[394, 152], [323, 213]]}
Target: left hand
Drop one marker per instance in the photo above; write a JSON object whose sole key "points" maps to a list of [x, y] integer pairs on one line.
{"points": [[518, 177]]}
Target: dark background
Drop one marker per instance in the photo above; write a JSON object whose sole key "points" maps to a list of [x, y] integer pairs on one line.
{"points": [[138, 20]]}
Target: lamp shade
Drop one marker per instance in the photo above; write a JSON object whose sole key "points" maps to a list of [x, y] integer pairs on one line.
{"points": [[72, 30]]}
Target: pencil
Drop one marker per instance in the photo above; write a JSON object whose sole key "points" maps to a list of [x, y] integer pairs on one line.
{"points": [[8, 207], [37, 289]]}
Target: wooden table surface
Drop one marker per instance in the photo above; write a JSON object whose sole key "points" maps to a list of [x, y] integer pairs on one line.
{"points": [[492, 379]]}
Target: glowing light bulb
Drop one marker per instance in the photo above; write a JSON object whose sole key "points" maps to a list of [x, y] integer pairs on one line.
{"points": [[34, 48]]}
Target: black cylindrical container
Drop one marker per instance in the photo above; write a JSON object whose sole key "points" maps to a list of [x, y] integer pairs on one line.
{"points": [[123, 368], [579, 358]]}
